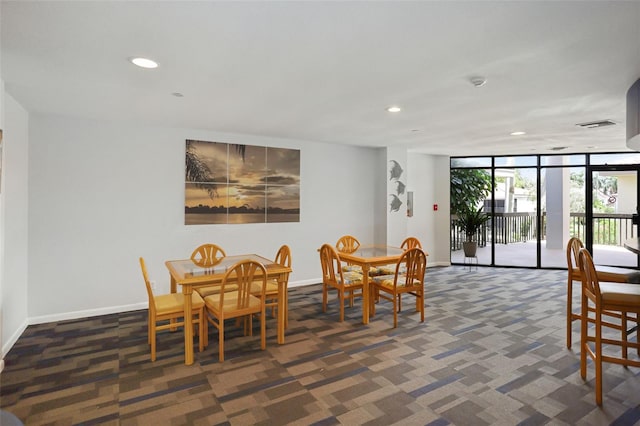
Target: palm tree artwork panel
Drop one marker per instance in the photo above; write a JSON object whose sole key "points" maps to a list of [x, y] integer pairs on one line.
{"points": [[232, 183]]}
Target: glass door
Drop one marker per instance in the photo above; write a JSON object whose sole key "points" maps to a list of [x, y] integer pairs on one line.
{"points": [[613, 200]]}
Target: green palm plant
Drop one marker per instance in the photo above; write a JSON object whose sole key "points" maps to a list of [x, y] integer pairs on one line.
{"points": [[470, 221]]}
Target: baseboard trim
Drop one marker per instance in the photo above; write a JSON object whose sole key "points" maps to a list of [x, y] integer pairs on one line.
{"points": [[87, 313], [13, 339]]}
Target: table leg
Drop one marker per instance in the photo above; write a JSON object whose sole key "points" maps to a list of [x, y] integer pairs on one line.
{"points": [[188, 325], [174, 287], [282, 306], [365, 294]]}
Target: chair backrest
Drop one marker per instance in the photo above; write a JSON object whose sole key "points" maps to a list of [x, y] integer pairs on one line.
{"points": [[410, 242], [573, 247], [283, 257], [331, 266], [590, 283], [244, 274], [347, 244], [207, 255], [415, 261], [145, 275]]}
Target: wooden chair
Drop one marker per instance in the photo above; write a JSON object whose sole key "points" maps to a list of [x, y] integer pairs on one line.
{"points": [[283, 257], [408, 243], [605, 273], [347, 283], [171, 307], [604, 298], [207, 255], [347, 244], [411, 281], [239, 302]]}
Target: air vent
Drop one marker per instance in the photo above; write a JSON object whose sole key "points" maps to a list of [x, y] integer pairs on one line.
{"points": [[594, 124]]}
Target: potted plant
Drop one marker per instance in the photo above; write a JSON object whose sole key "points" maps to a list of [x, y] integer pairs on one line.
{"points": [[469, 221]]}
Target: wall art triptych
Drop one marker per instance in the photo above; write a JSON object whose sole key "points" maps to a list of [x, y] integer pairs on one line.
{"points": [[234, 183]]}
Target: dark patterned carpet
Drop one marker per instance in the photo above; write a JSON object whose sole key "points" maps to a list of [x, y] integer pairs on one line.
{"points": [[490, 352]]}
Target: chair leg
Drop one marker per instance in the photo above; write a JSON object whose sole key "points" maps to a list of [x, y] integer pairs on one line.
{"points": [[569, 309], [201, 330], [221, 339], [420, 298], [341, 297], [623, 330], [152, 335], [263, 329], [286, 305], [598, 360], [395, 311], [374, 295], [324, 297], [583, 337]]}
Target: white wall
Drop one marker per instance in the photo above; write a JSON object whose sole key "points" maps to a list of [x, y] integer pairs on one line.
{"points": [[14, 277], [103, 194], [429, 181]]}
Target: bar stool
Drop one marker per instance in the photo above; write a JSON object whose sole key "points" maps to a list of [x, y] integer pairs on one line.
{"points": [[605, 273], [604, 298]]}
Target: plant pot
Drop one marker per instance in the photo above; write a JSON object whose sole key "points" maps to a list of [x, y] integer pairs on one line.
{"points": [[469, 248]]}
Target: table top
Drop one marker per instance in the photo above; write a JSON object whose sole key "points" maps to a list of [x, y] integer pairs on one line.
{"points": [[633, 244], [373, 254], [186, 271]]}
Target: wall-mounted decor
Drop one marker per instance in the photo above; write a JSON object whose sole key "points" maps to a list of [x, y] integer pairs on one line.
{"points": [[234, 183], [395, 172]]}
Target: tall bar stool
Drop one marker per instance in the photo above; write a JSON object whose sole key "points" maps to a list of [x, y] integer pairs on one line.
{"points": [[604, 298], [605, 273]]}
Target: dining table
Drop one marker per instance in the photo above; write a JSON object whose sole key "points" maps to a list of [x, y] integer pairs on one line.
{"points": [[190, 274], [367, 257]]}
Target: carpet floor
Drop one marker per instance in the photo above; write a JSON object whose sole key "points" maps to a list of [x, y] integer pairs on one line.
{"points": [[490, 352]]}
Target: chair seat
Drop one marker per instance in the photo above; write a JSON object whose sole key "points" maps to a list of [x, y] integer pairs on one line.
{"points": [[271, 290], [351, 278], [611, 274], [230, 303], [387, 281], [174, 302], [373, 271], [391, 270], [215, 289], [620, 293]]}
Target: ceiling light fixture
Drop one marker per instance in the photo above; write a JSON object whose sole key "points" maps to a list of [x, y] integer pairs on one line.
{"points": [[178, 95], [519, 133], [478, 81], [394, 109], [144, 62]]}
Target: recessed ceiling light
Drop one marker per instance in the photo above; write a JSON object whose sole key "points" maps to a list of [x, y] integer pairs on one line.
{"points": [[478, 81], [178, 95], [394, 109], [415, 130], [558, 148], [144, 62], [519, 133]]}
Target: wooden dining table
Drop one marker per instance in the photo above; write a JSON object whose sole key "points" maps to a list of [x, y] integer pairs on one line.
{"points": [[368, 256], [189, 275]]}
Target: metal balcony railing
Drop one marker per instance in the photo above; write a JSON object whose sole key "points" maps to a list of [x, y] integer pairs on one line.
{"points": [[506, 228]]}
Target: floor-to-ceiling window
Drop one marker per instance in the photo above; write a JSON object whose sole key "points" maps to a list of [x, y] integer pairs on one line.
{"points": [[537, 202]]}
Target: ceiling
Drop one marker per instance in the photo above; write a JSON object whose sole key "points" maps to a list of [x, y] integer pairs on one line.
{"points": [[327, 71]]}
